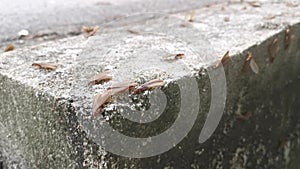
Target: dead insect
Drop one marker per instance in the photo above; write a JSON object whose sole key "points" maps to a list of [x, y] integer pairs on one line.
{"points": [[100, 78], [173, 57], [183, 25], [225, 60], [104, 98], [90, 31], [87, 29], [44, 66], [288, 38], [9, 47], [122, 87], [133, 32], [226, 19], [273, 50], [282, 142], [269, 17], [289, 4], [254, 4], [100, 100], [152, 84], [250, 63], [244, 117], [190, 17], [179, 56]]}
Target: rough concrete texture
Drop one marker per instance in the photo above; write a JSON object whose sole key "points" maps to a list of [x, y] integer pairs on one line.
{"points": [[41, 111], [48, 20]]}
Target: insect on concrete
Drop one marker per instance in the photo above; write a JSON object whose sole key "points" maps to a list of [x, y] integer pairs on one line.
{"points": [[254, 4], [249, 62], [288, 38], [190, 17], [122, 87], [225, 60], [100, 78], [104, 98], [292, 5], [90, 31], [226, 19], [282, 141], [44, 66], [173, 57], [273, 50], [269, 17], [244, 117], [150, 85], [133, 32], [9, 47], [100, 100]]}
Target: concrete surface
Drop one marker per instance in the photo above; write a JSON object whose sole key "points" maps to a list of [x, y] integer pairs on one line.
{"points": [[58, 19], [41, 111]]}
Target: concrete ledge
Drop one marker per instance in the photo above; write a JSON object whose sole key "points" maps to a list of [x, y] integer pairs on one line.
{"points": [[41, 111]]}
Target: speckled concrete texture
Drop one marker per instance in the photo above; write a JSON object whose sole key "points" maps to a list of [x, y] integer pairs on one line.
{"points": [[41, 111]]}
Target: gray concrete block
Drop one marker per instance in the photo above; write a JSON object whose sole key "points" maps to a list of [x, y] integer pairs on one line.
{"points": [[45, 115]]}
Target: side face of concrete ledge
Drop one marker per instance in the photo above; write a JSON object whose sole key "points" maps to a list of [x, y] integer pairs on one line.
{"points": [[33, 129], [45, 115]]}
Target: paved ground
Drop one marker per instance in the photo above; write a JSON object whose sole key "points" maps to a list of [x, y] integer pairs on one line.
{"points": [[63, 18]]}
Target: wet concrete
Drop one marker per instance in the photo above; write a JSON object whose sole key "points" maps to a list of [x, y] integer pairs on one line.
{"points": [[44, 113]]}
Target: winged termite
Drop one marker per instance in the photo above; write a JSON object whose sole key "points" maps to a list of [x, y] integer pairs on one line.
{"points": [[269, 17], [250, 63], [254, 66], [133, 32], [173, 57], [288, 38], [122, 87], [225, 59], [245, 116], [282, 142], [152, 84], [190, 17], [226, 19], [44, 66], [104, 98], [9, 47], [179, 56], [183, 25], [289, 4], [87, 29], [254, 4], [100, 100], [100, 78], [273, 50], [90, 31]]}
